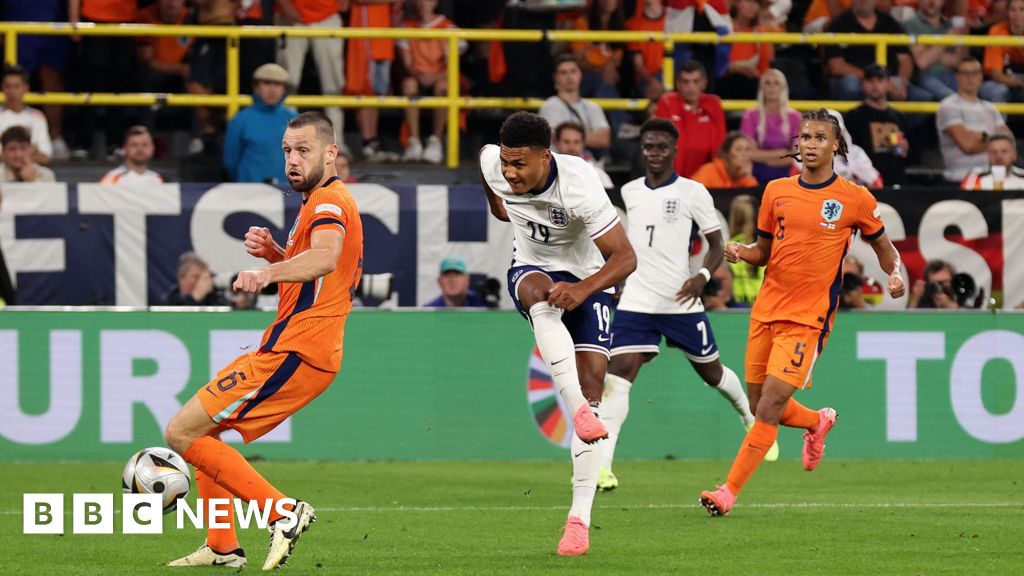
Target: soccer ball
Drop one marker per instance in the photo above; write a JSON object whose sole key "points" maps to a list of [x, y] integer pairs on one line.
{"points": [[157, 471]]}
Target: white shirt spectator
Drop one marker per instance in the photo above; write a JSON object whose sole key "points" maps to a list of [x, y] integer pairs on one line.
{"points": [[125, 175], [984, 178], [979, 116], [556, 111], [34, 121]]}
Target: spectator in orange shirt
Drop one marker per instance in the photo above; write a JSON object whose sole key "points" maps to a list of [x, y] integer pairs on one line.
{"points": [[648, 58], [601, 61], [747, 60], [328, 53], [427, 64], [163, 60], [368, 68], [733, 168], [1004, 65]]}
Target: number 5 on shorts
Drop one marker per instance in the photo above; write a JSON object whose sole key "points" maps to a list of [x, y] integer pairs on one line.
{"points": [[799, 352]]}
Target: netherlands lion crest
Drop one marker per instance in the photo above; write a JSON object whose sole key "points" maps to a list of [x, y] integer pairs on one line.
{"points": [[558, 217], [831, 210]]}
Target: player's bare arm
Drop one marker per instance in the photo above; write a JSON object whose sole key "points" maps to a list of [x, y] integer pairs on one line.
{"points": [[694, 285], [620, 262], [259, 243], [889, 260], [495, 203], [756, 254], [319, 260]]}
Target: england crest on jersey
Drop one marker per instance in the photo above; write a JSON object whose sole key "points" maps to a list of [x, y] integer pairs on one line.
{"points": [[831, 210], [557, 217], [670, 208]]}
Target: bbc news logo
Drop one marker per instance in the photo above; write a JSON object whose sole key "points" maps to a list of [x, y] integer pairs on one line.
{"points": [[143, 513]]}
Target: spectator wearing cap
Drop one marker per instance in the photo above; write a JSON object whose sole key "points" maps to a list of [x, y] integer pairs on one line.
{"points": [[454, 283], [18, 165], [878, 128], [252, 145], [1001, 173]]}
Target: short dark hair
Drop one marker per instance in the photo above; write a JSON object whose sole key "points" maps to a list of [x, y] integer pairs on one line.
{"points": [[967, 60], [324, 126], [729, 140], [569, 125], [936, 265], [15, 134], [525, 129], [137, 130], [693, 66], [1002, 136], [563, 58], [14, 70], [660, 125]]}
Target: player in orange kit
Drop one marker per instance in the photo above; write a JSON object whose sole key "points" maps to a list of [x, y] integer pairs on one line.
{"points": [[300, 353], [804, 229]]}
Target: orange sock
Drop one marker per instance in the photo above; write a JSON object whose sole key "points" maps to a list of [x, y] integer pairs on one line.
{"points": [[796, 415], [758, 440], [222, 540], [227, 467]]}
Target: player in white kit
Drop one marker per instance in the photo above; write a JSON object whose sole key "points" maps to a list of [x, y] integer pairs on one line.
{"points": [[569, 250], [662, 298]]}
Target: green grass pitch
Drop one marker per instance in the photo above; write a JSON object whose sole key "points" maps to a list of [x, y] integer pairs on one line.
{"points": [[848, 517]]}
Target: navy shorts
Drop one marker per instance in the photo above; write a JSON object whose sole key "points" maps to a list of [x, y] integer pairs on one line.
{"points": [[589, 324], [637, 332]]}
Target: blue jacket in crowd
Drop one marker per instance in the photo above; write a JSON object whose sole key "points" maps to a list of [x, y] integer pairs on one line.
{"points": [[252, 146]]}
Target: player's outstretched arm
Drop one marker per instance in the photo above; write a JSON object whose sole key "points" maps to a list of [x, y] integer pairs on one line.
{"points": [[620, 262], [495, 203], [321, 259], [889, 260], [694, 285], [756, 254]]}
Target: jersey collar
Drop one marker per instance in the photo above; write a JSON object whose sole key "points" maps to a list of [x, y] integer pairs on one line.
{"points": [[330, 181], [824, 184], [552, 174], [671, 179]]}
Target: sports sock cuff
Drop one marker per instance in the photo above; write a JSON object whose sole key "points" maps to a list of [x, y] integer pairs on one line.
{"points": [[617, 383], [762, 435]]}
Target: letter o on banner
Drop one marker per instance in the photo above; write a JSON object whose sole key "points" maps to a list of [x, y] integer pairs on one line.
{"points": [[965, 386]]}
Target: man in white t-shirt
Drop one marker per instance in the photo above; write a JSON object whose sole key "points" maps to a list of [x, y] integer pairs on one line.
{"points": [[965, 122], [1001, 173], [569, 250], [568, 106], [138, 151], [662, 298], [14, 112], [569, 140]]}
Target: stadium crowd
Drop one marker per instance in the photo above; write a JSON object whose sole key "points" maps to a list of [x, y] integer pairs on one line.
{"points": [[977, 148]]}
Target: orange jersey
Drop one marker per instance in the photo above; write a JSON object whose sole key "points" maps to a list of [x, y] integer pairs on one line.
{"points": [[428, 56], [311, 315], [811, 228]]}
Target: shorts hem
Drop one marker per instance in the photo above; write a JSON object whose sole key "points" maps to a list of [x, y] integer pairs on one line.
{"points": [[635, 349]]}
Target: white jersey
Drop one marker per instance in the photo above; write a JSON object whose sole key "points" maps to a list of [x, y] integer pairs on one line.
{"points": [[125, 175], [555, 228], [32, 120], [662, 222]]}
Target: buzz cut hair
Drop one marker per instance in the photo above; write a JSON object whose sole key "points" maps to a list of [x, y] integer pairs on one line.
{"points": [[525, 130], [660, 125], [15, 70], [137, 130], [324, 126]]}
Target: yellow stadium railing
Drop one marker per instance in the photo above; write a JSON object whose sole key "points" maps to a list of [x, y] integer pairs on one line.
{"points": [[455, 102]]}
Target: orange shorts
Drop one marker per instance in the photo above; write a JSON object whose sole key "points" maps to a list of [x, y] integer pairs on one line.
{"points": [[785, 350], [258, 390]]}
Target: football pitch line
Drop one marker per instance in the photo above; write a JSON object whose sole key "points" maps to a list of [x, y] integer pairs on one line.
{"points": [[764, 505]]}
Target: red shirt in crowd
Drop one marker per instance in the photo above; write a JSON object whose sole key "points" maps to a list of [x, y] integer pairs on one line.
{"points": [[701, 129]]}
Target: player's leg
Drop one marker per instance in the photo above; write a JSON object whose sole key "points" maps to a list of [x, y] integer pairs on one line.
{"points": [[558, 350], [414, 147], [329, 56], [635, 341], [585, 461], [221, 547]]}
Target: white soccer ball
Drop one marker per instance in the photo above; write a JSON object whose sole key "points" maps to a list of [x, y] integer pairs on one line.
{"points": [[157, 471]]}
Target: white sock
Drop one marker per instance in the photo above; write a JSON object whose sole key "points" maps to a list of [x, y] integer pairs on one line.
{"points": [[614, 409], [732, 390], [585, 462], [559, 352]]}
